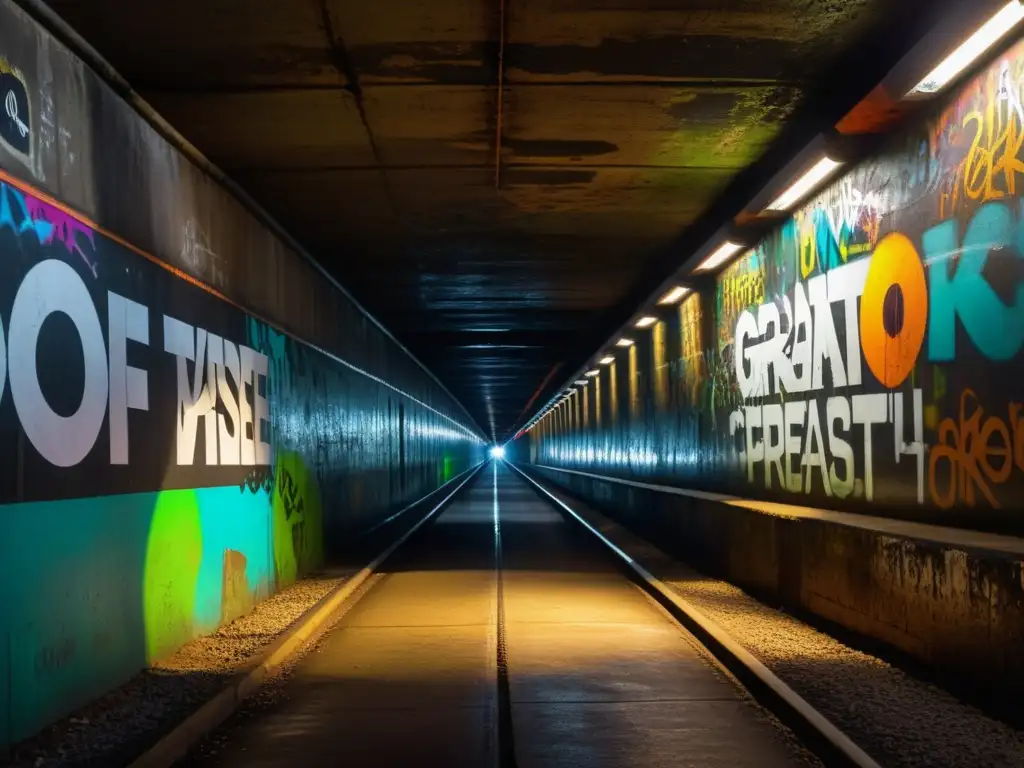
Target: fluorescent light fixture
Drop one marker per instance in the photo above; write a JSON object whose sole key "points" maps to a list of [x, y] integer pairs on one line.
{"points": [[581, 382], [674, 295], [721, 255], [593, 372], [607, 360], [971, 49], [800, 188], [624, 342], [646, 321]]}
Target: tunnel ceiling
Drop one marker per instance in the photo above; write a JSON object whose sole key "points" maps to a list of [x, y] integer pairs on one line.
{"points": [[369, 129]]}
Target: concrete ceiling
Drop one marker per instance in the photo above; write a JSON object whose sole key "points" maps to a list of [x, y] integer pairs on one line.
{"points": [[370, 130]]}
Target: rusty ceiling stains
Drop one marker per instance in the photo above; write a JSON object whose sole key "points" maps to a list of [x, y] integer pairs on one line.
{"points": [[369, 130]]}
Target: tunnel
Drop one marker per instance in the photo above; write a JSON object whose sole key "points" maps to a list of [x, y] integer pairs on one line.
{"points": [[511, 382]]}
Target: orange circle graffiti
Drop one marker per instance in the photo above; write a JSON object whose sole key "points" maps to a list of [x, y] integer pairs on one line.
{"points": [[895, 262]]}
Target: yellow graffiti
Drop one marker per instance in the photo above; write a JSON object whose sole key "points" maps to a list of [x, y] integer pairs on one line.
{"points": [[993, 162], [992, 129]]}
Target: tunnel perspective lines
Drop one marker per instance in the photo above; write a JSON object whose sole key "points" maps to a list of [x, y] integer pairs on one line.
{"points": [[506, 757], [558, 659], [816, 730]]}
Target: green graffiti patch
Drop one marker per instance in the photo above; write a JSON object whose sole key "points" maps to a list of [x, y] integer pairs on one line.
{"points": [[174, 553], [297, 520]]}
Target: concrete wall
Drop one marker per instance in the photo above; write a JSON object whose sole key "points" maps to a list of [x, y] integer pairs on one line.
{"points": [[866, 355], [953, 599], [190, 414]]}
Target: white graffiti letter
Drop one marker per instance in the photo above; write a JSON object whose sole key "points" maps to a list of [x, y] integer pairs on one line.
{"points": [[746, 330], [794, 414], [838, 409], [195, 401], [129, 386], [826, 344], [229, 439], [53, 286], [774, 444], [846, 284], [869, 410]]}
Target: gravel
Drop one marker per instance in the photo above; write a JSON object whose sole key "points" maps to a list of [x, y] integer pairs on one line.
{"points": [[902, 721], [118, 726]]}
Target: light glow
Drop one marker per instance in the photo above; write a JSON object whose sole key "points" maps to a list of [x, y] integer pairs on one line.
{"points": [[674, 295], [646, 321], [581, 382], [592, 373], [800, 188], [498, 452], [991, 32], [721, 255], [607, 360], [624, 342]]}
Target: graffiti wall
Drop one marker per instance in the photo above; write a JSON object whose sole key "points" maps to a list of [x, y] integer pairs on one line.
{"points": [[169, 454], [864, 355], [166, 461]]}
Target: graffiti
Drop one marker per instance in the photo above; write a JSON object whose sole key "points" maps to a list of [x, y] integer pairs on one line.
{"points": [[197, 254], [16, 118], [975, 452], [225, 392], [258, 479], [25, 213], [691, 360], [970, 278], [982, 133], [63, 229], [298, 542], [793, 348], [55, 657], [236, 595], [741, 286], [842, 338]]}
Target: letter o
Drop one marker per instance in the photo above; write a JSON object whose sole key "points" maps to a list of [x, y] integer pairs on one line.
{"points": [[53, 286], [891, 356]]}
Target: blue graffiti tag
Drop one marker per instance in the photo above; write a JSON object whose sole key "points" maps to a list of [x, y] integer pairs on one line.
{"points": [[8, 194], [964, 292]]}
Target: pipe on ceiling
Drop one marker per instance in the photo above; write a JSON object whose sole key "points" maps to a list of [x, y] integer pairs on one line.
{"points": [[501, 93]]}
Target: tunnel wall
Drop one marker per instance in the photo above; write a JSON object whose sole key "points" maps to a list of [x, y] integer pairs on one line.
{"points": [[861, 363], [865, 355], [190, 413]]}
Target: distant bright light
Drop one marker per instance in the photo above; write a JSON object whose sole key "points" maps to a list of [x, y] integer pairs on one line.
{"points": [[674, 295], [644, 322], [498, 452], [971, 49], [607, 360], [624, 342], [800, 188], [722, 254]]}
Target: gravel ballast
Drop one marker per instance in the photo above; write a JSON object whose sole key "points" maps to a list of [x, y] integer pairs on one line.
{"points": [[902, 721], [122, 723]]}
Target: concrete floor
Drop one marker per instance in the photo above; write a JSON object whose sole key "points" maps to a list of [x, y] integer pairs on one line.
{"points": [[598, 675]]}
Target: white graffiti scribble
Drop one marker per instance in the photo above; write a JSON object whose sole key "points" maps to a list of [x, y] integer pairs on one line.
{"points": [[197, 253], [853, 209], [11, 105], [1009, 92]]}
